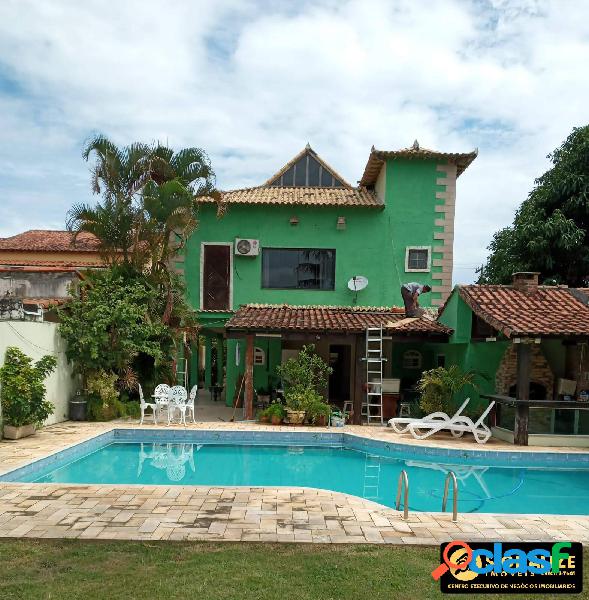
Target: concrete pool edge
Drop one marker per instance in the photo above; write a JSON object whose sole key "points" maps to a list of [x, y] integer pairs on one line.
{"points": [[244, 514], [332, 438]]}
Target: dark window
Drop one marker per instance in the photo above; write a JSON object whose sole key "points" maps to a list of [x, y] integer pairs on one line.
{"points": [[307, 171], [326, 178], [418, 258], [314, 167], [292, 268], [481, 329], [441, 360], [301, 172], [288, 177]]}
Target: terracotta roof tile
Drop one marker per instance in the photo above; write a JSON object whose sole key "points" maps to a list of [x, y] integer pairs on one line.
{"points": [[301, 196], [550, 311], [41, 240], [337, 319], [378, 157]]}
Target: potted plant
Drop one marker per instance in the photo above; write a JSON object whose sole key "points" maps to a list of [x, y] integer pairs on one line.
{"points": [[318, 412], [338, 417], [304, 377], [276, 413], [439, 386], [23, 393], [264, 416]]}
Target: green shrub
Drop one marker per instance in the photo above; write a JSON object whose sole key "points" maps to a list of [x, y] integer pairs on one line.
{"points": [[316, 409], [305, 377], [438, 387], [23, 390]]}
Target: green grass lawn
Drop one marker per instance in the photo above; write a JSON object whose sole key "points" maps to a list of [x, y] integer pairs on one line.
{"points": [[71, 569]]}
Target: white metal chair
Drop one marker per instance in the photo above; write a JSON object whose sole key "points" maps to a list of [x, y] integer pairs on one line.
{"points": [[458, 425], [146, 405], [402, 424], [177, 397], [161, 395], [191, 402]]}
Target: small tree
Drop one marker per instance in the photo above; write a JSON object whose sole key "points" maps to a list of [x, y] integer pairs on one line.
{"points": [[438, 387], [108, 324], [23, 390], [305, 377]]}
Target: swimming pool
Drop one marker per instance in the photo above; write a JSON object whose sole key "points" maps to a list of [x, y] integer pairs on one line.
{"points": [[493, 482]]}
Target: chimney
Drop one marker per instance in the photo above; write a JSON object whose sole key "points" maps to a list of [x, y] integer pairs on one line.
{"points": [[526, 282]]}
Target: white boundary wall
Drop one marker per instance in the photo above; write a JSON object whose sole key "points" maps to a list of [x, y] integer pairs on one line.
{"points": [[37, 340]]}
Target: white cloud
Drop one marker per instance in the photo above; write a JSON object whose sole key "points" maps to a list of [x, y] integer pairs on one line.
{"points": [[252, 82]]}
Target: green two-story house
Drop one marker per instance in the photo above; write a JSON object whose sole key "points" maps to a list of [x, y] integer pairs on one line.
{"points": [[300, 237]]}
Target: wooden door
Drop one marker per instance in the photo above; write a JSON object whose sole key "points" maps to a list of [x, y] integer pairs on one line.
{"points": [[216, 278]]}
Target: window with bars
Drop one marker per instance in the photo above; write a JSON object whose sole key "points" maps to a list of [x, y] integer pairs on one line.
{"points": [[417, 259]]}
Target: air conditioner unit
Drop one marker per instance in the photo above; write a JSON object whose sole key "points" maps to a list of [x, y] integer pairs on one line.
{"points": [[244, 247]]}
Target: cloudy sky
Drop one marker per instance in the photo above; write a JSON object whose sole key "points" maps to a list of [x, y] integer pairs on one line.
{"points": [[252, 82]]}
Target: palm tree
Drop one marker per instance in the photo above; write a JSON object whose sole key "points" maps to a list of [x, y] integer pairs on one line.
{"points": [[150, 197], [118, 175]]}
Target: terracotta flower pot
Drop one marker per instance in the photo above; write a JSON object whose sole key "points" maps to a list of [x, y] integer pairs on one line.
{"points": [[276, 419], [264, 419], [321, 421], [16, 433]]}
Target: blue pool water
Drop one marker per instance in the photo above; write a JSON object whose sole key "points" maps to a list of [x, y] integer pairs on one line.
{"points": [[482, 487]]}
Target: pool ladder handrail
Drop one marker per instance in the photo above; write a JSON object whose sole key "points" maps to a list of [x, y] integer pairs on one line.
{"points": [[403, 482], [451, 475]]}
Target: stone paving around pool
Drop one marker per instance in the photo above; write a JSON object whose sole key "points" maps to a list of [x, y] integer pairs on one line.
{"points": [[135, 512]]}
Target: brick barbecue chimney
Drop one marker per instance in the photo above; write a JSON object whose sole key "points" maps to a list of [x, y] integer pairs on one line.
{"points": [[526, 282]]}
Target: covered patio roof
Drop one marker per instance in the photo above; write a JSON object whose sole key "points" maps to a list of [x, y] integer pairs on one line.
{"points": [[332, 319], [556, 312]]}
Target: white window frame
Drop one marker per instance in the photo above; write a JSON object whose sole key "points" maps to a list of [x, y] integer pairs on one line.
{"points": [[259, 357], [202, 265], [413, 355], [429, 259]]}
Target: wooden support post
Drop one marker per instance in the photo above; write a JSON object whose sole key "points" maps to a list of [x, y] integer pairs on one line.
{"points": [[359, 371], [522, 414], [249, 377]]}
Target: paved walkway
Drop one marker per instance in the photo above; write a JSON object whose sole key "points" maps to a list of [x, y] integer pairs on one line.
{"points": [[236, 513]]}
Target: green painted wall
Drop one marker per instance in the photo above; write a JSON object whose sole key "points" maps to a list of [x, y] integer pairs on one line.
{"points": [[411, 200], [373, 243]]}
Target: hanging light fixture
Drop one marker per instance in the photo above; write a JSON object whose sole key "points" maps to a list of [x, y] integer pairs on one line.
{"points": [[341, 223]]}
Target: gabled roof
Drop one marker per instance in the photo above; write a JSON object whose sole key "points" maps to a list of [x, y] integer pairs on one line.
{"points": [[307, 150], [415, 152], [303, 196], [333, 319], [547, 312], [46, 240]]}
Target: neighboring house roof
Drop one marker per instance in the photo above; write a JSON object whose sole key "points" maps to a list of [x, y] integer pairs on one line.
{"points": [[548, 312], [303, 196], [42, 240], [378, 157], [307, 150], [335, 319], [30, 268]]}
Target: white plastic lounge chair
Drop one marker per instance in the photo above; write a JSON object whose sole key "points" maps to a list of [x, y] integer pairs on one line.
{"points": [[191, 401], [402, 424], [458, 425], [177, 402], [146, 405]]}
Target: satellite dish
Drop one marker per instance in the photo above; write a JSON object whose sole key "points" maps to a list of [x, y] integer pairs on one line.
{"points": [[357, 283]]}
